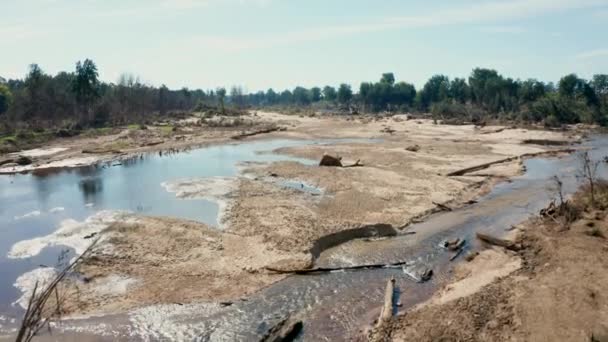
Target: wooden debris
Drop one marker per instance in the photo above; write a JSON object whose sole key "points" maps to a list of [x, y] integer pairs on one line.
{"points": [[454, 245], [261, 131], [328, 160], [442, 206], [101, 150], [505, 160], [456, 254], [154, 143], [7, 161], [413, 148], [331, 269], [284, 331], [546, 142], [356, 164], [387, 310], [426, 275], [492, 240], [388, 130], [470, 256], [494, 131]]}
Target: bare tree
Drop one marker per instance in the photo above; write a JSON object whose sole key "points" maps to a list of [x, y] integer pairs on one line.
{"points": [[39, 314], [588, 172]]}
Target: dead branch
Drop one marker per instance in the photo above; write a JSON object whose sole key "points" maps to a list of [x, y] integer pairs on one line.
{"points": [[261, 131], [356, 164], [505, 160], [492, 240], [331, 269], [284, 331], [37, 316], [442, 206], [387, 310]]}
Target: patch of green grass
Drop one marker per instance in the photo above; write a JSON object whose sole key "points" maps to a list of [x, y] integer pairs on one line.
{"points": [[133, 126], [166, 130], [8, 139]]}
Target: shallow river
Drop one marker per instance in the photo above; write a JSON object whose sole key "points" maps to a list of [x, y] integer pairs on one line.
{"points": [[333, 306]]}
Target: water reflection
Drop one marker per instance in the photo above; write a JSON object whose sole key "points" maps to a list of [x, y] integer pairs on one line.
{"points": [[91, 189]]}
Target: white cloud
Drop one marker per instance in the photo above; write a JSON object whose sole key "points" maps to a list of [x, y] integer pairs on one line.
{"points": [[504, 29], [492, 13], [190, 4], [593, 54]]}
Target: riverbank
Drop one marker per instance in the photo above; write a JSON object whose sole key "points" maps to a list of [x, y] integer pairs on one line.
{"points": [[552, 289], [267, 225]]}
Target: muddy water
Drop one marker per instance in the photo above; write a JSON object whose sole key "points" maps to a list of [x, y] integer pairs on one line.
{"points": [[335, 306]]}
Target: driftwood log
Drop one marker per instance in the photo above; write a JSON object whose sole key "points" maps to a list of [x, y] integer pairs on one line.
{"points": [[442, 206], [387, 310], [285, 331], [331, 269], [505, 160], [261, 131], [492, 240]]}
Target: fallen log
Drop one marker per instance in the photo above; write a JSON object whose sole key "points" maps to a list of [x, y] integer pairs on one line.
{"points": [[356, 164], [505, 160], [442, 206], [101, 151], [154, 143], [284, 331], [492, 240], [331, 269], [456, 254], [494, 131], [250, 134], [7, 161], [387, 310]]}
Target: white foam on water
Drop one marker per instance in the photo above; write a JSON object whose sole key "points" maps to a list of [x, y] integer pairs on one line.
{"points": [[171, 322], [30, 214], [71, 233], [56, 210], [27, 281], [214, 189]]}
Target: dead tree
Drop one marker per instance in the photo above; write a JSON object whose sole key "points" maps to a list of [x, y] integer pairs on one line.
{"points": [[38, 315], [588, 172]]}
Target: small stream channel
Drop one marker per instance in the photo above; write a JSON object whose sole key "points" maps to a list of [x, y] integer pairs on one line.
{"points": [[333, 306]]}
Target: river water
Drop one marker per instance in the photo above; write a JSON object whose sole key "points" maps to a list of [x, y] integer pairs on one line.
{"points": [[333, 306]]}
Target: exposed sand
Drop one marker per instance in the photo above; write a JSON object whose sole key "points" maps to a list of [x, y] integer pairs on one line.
{"points": [[265, 224], [553, 290]]}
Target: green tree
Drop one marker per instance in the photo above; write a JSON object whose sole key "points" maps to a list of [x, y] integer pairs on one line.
{"points": [[5, 99], [86, 86], [436, 89], [570, 86], [600, 86], [345, 94], [221, 95], [404, 94], [301, 96], [388, 78], [34, 84], [459, 90], [315, 94], [329, 94], [271, 97]]}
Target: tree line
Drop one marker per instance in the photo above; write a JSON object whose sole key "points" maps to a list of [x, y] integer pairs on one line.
{"points": [[79, 97]]}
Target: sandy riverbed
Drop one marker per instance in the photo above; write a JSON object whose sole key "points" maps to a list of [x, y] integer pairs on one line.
{"points": [[265, 224]]}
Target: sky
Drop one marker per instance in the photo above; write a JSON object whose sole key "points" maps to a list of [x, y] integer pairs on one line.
{"points": [[258, 44]]}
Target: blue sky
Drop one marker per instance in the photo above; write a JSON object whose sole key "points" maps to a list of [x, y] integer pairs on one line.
{"points": [[283, 43]]}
